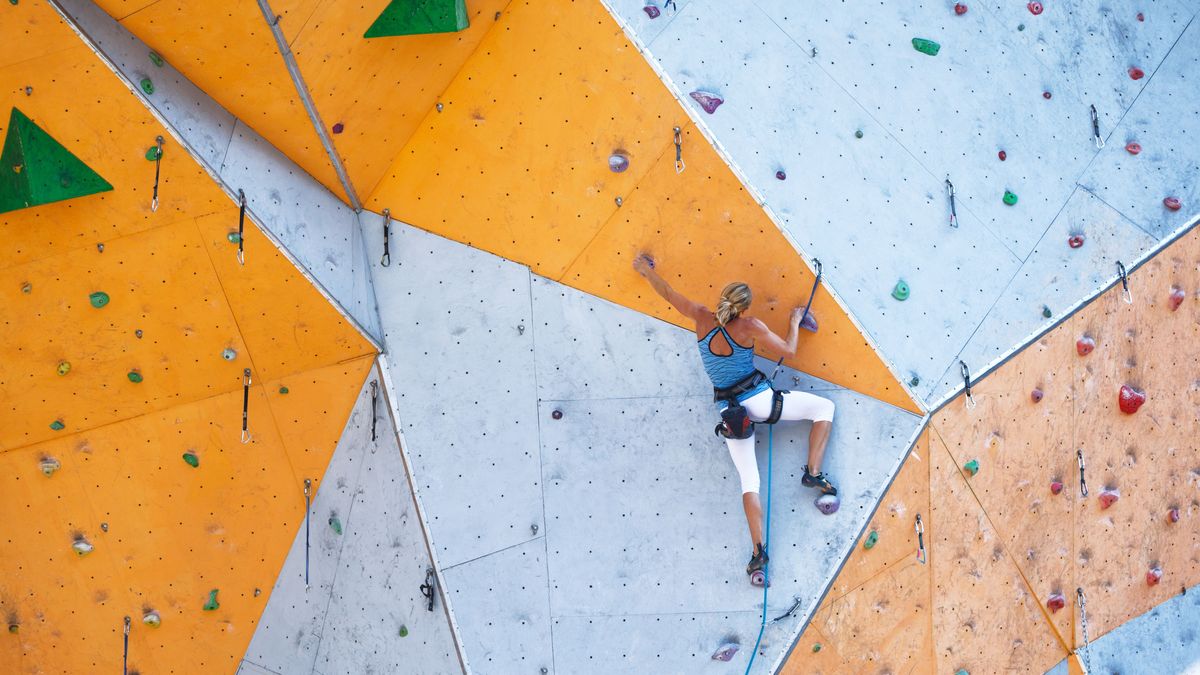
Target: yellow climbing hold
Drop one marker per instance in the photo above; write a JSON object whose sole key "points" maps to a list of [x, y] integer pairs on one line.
{"points": [[64, 367]]}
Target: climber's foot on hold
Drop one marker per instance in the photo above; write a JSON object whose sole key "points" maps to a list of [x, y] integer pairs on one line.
{"points": [[819, 481], [758, 565]]}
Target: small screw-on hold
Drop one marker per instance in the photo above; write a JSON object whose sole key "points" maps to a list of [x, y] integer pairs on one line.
{"points": [[544, 670], [520, 329], [1046, 311], [557, 414], [100, 248], [914, 381], [438, 106], [858, 133], [29, 91], [104, 527], [26, 288], [338, 128], [1047, 95], [1002, 155], [534, 528], [619, 201], [138, 333], [496, 17], [228, 354], [257, 592], [781, 175]]}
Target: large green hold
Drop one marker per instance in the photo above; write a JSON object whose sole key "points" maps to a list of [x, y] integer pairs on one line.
{"points": [[926, 46], [35, 169], [420, 17]]}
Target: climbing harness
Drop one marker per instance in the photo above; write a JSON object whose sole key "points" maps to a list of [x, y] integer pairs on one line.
{"points": [[1124, 283], [920, 527], [766, 545], [307, 508], [1096, 129], [158, 142], [679, 165], [245, 405], [1087, 657], [1083, 491], [953, 210], [966, 375], [427, 588], [386, 260], [791, 610], [374, 408], [125, 658], [242, 228]]}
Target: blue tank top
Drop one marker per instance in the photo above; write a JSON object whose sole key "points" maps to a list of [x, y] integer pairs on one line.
{"points": [[726, 371]]}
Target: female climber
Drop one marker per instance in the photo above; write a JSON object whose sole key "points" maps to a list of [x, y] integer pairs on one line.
{"points": [[727, 338]]}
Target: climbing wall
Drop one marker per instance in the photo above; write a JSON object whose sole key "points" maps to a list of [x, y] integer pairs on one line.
{"points": [[866, 129], [1010, 543], [562, 451]]}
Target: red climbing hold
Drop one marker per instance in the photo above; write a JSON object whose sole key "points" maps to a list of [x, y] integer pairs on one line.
{"points": [[1036, 395], [960, 9], [1035, 8], [1109, 497], [1002, 155], [1085, 345], [1173, 203], [707, 100], [1075, 240], [1130, 399], [1056, 487], [1173, 516], [781, 175], [1056, 602], [1046, 95], [1153, 576], [557, 414], [1141, 17], [1136, 73], [1178, 295], [1133, 148], [339, 128], [651, 11]]}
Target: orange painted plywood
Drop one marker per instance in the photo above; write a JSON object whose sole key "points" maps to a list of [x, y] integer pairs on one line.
{"points": [[24, 24], [815, 654]]}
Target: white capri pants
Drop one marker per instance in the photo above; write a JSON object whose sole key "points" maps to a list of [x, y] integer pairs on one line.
{"points": [[797, 405]]}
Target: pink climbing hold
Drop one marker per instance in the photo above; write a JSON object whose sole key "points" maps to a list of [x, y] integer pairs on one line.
{"points": [[1035, 8], [725, 652], [1075, 241], [1133, 148], [1173, 516], [1109, 497], [339, 128], [1141, 17], [1002, 155], [707, 100], [1056, 602], [1173, 203], [651, 11], [1136, 73], [1085, 345], [1153, 576], [960, 9], [1046, 95], [827, 504], [1056, 487], [1130, 399], [1036, 395], [781, 175], [1178, 295]]}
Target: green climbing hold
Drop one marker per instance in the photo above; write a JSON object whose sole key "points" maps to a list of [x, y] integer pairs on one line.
{"points": [[926, 46], [1010, 197], [212, 601], [64, 367], [335, 524], [872, 539], [35, 169], [98, 299], [26, 288], [914, 381], [14, 627], [283, 390], [1046, 311], [191, 458], [403, 631], [901, 291], [419, 17], [858, 134], [147, 85], [134, 377], [156, 59], [57, 425], [816, 647], [971, 467], [963, 671], [1020, 26], [152, 153], [234, 238]]}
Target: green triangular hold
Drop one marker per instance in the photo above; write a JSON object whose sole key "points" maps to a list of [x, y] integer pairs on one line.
{"points": [[35, 169], [419, 17]]}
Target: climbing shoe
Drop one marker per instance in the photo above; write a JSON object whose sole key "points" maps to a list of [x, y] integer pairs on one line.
{"points": [[819, 481], [758, 561]]}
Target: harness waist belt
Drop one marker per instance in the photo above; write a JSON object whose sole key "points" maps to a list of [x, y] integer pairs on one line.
{"points": [[738, 388]]}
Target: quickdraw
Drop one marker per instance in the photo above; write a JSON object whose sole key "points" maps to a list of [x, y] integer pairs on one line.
{"points": [[245, 405], [966, 375], [386, 260], [1083, 491], [307, 509], [1096, 129], [158, 142], [920, 528], [953, 208], [427, 588], [1124, 283], [125, 658], [241, 256], [374, 407], [679, 165], [791, 610]]}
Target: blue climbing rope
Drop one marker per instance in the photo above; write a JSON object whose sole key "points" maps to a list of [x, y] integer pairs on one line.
{"points": [[766, 546]]}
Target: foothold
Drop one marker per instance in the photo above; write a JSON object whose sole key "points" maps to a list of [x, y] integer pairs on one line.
{"points": [[960, 9], [439, 106], [1055, 602], [283, 390], [138, 333], [134, 376], [618, 162], [1046, 311], [100, 248], [914, 381], [338, 128], [651, 11], [901, 291], [557, 414], [403, 631], [971, 467], [1109, 497], [1056, 487], [26, 288], [152, 153], [725, 652], [925, 46], [618, 201], [1173, 516], [1075, 240], [49, 465], [1141, 17], [1010, 197], [212, 601], [57, 425], [828, 504], [1178, 295], [228, 354], [1133, 148], [707, 100], [156, 59], [14, 627], [1036, 395], [1020, 26], [192, 459], [82, 546], [1153, 576], [1085, 345], [1035, 8], [858, 133], [1130, 399], [104, 527], [1136, 73], [234, 238], [780, 175], [1002, 155], [1047, 95], [63, 368], [335, 524], [1173, 203], [98, 299], [871, 540], [152, 619], [816, 647], [147, 85]]}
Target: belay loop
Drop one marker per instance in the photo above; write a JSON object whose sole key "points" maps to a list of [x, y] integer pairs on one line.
{"points": [[158, 141], [386, 260], [1124, 283], [241, 228], [679, 166]]}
